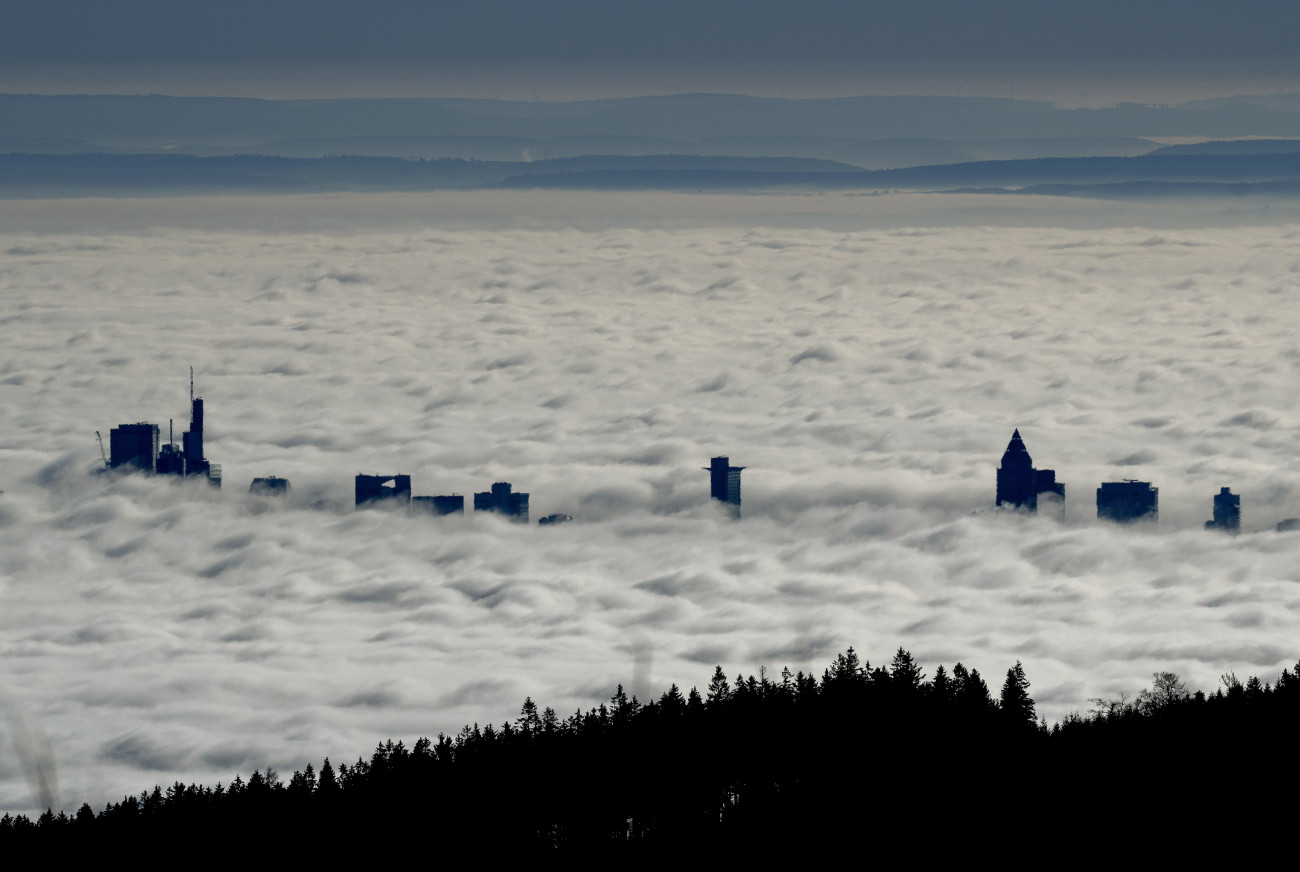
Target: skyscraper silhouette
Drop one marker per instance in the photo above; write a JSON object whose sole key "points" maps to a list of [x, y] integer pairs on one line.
{"points": [[133, 445], [724, 483], [375, 488], [192, 439], [447, 504], [1127, 501], [136, 445], [192, 442], [170, 459], [502, 500], [270, 486], [1019, 484], [1227, 512]]}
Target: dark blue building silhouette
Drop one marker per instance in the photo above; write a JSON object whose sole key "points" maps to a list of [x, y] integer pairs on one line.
{"points": [[451, 504], [134, 446], [501, 499], [1019, 484], [1227, 512], [188, 459], [271, 486], [724, 483], [381, 488], [171, 461], [1127, 501], [192, 439]]}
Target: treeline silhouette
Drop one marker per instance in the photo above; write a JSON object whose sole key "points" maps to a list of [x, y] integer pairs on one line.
{"points": [[871, 759]]}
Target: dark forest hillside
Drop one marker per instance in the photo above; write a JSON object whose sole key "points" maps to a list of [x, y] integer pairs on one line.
{"points": [[873, 759]]}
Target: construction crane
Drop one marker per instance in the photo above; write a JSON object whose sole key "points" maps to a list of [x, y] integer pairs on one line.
{"points": [[102, 453]]}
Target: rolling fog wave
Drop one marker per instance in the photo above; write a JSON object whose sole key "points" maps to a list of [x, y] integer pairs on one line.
{"points": [[868, 381]]}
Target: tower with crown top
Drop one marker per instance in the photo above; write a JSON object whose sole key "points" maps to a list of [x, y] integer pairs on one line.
{"points": [[1019, 484]]}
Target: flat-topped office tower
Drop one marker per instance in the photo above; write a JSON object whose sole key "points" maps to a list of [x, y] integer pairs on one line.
{"points": [[1128, 501], [270, 486], [372, 489], [451, 504], [724, 483], [134, 446], [503, 500], [1227, 512]]}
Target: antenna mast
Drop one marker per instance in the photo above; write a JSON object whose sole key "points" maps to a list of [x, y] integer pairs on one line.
{"points": [[191, 386]]}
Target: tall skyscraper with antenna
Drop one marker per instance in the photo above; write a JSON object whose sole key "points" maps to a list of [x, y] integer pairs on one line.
{"points": [[192, 442]]}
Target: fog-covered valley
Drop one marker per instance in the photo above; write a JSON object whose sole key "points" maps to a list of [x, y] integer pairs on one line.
{"points": [[866, 371]]}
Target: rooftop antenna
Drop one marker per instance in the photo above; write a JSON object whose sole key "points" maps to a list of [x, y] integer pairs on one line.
{"points": [[191, 386], [101, 449], [171, 432]]}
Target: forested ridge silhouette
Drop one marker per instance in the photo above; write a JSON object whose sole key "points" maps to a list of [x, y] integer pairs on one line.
{"points": [[864, 757]]}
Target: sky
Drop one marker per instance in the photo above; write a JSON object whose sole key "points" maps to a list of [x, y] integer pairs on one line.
{"points": [[1076, 54], [868, 376]]}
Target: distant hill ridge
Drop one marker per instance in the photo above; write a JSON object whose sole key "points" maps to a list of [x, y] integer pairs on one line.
{"points": [[1234, 146], [861, 153], [71, 175], [155, 120]]}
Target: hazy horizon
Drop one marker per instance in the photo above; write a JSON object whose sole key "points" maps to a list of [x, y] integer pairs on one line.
{"points": [[1065, 85]]}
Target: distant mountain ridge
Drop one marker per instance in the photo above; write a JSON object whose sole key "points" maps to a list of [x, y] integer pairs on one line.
{"points": [[73, 175], [157, 121], [861, 153], [1234, 146]]}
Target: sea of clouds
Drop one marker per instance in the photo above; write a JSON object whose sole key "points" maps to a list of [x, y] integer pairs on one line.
{"points": [[868, 378]]}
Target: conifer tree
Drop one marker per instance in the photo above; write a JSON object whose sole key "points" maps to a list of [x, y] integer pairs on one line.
{"points": [[326, 782], [719, 689], [303, 782], [903, 671], [972, 692], [672, 703], [529, 721], [941, 686], [1016, 701]]}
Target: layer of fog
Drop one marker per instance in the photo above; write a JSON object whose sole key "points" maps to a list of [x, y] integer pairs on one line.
{"points": [[595, 211], [867, 378]]}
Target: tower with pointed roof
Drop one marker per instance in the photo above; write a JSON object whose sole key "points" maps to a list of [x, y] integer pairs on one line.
{"points": [[1019, 484]]}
